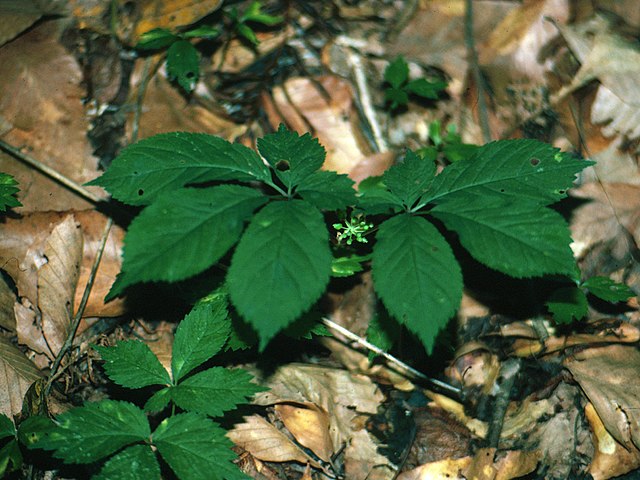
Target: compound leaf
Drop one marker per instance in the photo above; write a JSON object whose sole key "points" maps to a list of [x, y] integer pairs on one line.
{"points": [[327, 190], [608, 290], [293, 157], [184, 232], [397, 73], [200, 335], [280, 267], [521, 239], [565, 304], [526, 170], [94, 431], [416, 275], [136, 462], [195, 447], [132, 364], [183, 64], [214, 391], [169, 161], [410, 179], [159, 400], [8, 190], [424, 88]]}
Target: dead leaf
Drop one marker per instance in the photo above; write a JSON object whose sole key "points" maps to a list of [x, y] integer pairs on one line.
{"points": [[442, 470], [7, 299], [17, 374], [605, 374], [57, 281], [266, 442], [41, 103], [309, 425], [18, 15]]}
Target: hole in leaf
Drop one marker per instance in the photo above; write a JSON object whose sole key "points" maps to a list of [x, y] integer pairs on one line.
{"points": [[189, 75], [140, 192], [561, 192], [534, 162], [502, 190], [283, 165]]}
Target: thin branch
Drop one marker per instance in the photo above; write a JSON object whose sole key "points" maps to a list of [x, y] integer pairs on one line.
{"points": [[443, 386], [472, 54], [51, 173]]}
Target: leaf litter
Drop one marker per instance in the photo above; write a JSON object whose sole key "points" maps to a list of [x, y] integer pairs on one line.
{"points": [[318, 413]]}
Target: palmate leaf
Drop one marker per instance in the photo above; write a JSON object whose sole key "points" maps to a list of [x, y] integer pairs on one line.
{"points": [[200, 335], [132, 364], [608, 290], [410, 179], [416, 275], [184, 232], [183, 64], [214, 391], [195, 448], [8, 190], [280, 267], [526, 170], [172, 160], [567, 304], [397, 73], [327, 190], [519, 238], [94, 431], [136, 462], [293, 157]]}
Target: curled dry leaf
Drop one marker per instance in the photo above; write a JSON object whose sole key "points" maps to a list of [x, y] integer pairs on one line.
{"points": [[17, 374], [309, 424]]}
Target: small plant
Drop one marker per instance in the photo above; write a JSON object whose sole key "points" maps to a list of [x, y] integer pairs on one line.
{"points": [[191, 443], [253, 14], [8, 191], [450, 146], [496, 201], [401, 88]]}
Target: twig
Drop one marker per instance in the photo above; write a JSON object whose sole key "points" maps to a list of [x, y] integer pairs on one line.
{"points": [[147, 73], [378, 351], [51, 173], [508, 373], [83, 303], [475, 70]]}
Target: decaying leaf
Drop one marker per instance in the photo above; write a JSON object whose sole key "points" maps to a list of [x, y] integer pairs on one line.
{"points": [[17, 373], [309, 425]]}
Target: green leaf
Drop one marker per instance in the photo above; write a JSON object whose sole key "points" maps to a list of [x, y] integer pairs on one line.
{"points": [[10, 458], [608, 290], [32, 429], [327, 190], [133, 463], [159, 400], [293, 157], [410, 179], [172, 160], [254, 14], [200, 335], [565, 304], [280, 267], [519, 238], [526, 170], [397, 72], [203, 31], [196, 448], [424, 88], [214, 391], [416, 275], [156, 39], [8, 190], [184, 232], [455, 152], [183, 64], [94, 431], [349, 265], [396, 96], [132, 364], [7, 428], [374, 197], [248, 33]]}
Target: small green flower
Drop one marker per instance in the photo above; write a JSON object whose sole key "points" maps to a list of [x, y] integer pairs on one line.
{"points": [[354, 229]]}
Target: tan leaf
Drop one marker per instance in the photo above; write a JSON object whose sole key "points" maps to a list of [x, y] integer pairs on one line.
{"points": [[7, 300], [57, 280], [607, 374], [266, 442], [18, 15], [17, 374], [442, 470], [309, 425]]}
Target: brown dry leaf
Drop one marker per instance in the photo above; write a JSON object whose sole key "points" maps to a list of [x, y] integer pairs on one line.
{"points": [[610, 459], [442, 470], [341, 394], [7, 299], [309, 425], [18, 15], [325, 108], [164, 109], [17, 374], [363, 461], [266, 442], [607, 374], [21, 245], [41, 104], [510, 464], [57, 281]]}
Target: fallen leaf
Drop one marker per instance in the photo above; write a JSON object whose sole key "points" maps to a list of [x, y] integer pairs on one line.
{"points": [[17, 374]]}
